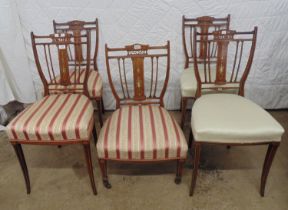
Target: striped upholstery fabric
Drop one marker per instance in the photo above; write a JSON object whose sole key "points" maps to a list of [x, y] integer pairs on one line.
{"points": [[141, 133], [54, 118], [94, 84]]}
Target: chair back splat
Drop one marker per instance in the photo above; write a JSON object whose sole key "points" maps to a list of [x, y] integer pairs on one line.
{"points": [[76, 28], [226, 61], [56, 57], [204, 24], [131, 66]]}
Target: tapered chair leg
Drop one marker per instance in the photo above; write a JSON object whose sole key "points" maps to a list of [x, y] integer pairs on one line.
{"points": [[271, 151], [183, 110], [89, 166], [94, 135], [195, 169], [99, 107], [179, 171], [21, 159], [103, 167]]}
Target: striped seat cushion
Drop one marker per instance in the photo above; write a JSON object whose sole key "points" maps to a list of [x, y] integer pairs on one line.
{"points": [[58, 117], [141, 133], [94, 84]]}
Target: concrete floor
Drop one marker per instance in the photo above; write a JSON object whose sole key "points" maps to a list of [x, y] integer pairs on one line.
{"points": [[228, 179]]}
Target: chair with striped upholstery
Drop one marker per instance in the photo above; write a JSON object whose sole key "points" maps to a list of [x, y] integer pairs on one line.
{"points": [[230, 119], [140, 130], [188, 80], [94, 83], [57, 119]]}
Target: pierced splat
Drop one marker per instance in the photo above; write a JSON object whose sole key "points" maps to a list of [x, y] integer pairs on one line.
{"points": [[61, 40], [76, 26], [137, 51], [223, 37], [205, 22]]}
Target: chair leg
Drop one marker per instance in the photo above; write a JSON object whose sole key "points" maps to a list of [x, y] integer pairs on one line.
{"points": [[99, 107], [94, 135], [21, 159], [179, 171], [102, 103], [190, 139], [183, 110], [103, 167], [271, 151], [89, 166], [195, 169]]}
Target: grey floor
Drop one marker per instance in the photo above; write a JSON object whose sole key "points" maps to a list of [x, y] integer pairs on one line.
{"points": [[228, 179]]}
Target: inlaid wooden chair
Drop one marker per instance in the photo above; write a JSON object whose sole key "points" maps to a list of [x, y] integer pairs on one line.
{"points": [[140, 130], [229, 119], [95, 83], [188, 80], [65, 114]]}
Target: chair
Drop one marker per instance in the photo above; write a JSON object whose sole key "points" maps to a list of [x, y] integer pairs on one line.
{"points": [[140, 130], [188, 81], [95, 83], [56, 119], [229, 119]]}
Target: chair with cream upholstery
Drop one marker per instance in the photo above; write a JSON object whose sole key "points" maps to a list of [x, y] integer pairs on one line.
{"points": [[56, 119], [230, 119], [188, 80], [140, 130], [94, 83]]}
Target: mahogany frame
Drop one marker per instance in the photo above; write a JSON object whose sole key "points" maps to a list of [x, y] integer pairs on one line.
{"points": [[137, 53], [76, 27], [203, 23], [17, 143], [223, 38]]}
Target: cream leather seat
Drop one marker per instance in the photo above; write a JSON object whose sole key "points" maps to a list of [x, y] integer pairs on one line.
{"points": [[229, 118]]}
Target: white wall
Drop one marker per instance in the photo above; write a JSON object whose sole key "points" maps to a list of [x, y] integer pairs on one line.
{"points": [[128, 21]]}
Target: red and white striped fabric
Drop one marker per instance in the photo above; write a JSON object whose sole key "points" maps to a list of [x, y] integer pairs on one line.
{"points": [[54, 118], [141, 133], [94, 84]]}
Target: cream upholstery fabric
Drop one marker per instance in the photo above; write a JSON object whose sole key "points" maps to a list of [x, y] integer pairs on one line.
{"points": [[228, 118], [141, 133], [188, 83], [54, 118], [95, 84]]}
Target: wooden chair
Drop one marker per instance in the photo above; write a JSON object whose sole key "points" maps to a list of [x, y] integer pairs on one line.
{"points": [[229, 119], [65, 115], [95, 83], [140, 130], [188, 80]]}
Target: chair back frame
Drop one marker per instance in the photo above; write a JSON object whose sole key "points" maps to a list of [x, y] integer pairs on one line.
{"points": [[138, 54], [203, 25], [75, 27], [222, 40], [62, 43]]}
